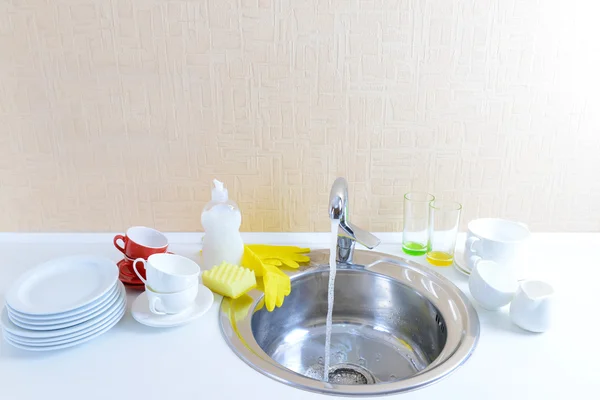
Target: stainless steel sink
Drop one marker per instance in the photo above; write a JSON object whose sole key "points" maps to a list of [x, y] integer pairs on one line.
{"points": [[397, 326]]}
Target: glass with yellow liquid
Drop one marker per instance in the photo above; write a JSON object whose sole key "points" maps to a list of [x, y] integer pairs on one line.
{"points": [[444, 217]]}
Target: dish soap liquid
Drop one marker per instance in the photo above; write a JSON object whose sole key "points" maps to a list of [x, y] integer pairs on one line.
{"points": [[221, 220]]}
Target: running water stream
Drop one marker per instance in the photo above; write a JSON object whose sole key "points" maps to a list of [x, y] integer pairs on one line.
{"points": [[332, 269]]}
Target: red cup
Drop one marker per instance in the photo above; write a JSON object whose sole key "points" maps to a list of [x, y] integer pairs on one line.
{"points": [[141, 242]]}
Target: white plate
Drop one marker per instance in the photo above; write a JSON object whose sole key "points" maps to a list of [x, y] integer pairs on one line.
{"points": [[141, 312], [74, 342], [62, 285], [106, 301], [68, 316], [9, 326], [49, 325], [70, 338], [65, 338]]}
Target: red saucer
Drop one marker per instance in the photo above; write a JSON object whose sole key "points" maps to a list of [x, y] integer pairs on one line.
{"points": [[128, 276]]}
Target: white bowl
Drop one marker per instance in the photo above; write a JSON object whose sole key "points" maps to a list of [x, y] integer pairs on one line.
{"points": [[491, 285]]}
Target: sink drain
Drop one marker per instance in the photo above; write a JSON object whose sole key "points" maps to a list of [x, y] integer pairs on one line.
{"points": [[342, 374], [350, 374]]}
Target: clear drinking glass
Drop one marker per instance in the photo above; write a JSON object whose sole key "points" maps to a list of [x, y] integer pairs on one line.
{"points": [[415, 235], [444, 217]]}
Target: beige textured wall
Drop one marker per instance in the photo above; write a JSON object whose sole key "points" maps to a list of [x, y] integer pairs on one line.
{"points": [[120, 112]]}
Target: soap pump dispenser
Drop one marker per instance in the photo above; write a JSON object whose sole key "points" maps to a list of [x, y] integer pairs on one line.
{"points": [[221, 220]]}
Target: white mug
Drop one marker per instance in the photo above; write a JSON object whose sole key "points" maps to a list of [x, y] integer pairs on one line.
{"points": [[168, 273], [499, 240], [171, 303], [531, 308]]}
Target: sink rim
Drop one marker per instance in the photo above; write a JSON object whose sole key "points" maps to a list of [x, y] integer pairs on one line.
{"points": [[459, 345]]}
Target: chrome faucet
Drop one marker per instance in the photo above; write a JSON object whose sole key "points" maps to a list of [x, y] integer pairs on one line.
{"points": [[348, 233]]}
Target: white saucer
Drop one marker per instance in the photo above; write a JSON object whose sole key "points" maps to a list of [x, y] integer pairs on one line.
{"points": [[141, 312], [460, 263]]}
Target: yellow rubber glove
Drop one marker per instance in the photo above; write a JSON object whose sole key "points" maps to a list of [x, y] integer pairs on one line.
{"points": [[237, 309], [276, 283], [271, 283], [289, 256], [252, 261], [284, 280], [273, 261]]}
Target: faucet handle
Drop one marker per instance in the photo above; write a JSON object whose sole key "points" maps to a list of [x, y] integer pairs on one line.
{"points": [[348, 235], [351, 231]]}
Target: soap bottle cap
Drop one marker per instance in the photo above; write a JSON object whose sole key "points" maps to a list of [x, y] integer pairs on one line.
{"points": [[219, 193]]}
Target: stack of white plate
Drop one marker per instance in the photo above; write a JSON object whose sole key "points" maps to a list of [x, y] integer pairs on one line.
{"points": [[62, 303]]}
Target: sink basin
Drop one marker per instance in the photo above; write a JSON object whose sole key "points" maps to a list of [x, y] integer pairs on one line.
{"points": [[397, 326]]}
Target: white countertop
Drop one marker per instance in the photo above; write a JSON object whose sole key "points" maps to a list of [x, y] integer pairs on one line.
{"points": [[194, 362]]}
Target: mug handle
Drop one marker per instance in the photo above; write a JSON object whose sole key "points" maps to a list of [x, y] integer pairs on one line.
{"points": [[135, 268], [473, 244], [123, 239], [152, 306], [474, 261]]}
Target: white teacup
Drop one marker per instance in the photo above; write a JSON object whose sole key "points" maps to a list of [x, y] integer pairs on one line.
{"points": [[499, 240], [168, 273], [531, 309], [171, 303], [492, 285]]}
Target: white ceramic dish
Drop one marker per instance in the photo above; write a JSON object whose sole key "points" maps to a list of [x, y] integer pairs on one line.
{"points": [[532, 307], [141, 312], [62, 284], [69, 316], [77, 313], [48, 326], [9, 326], [502, 241], [171, 303], [75, 342], [168, 273], [460, 263], [64, 338], [492, 285], [69, 338]]}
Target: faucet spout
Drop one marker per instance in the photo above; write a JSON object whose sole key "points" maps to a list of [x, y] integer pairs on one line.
{"points": [[348, 233], [338, 200]]}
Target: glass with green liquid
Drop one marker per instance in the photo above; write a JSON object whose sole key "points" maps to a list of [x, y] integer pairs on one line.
{"points": [[444, 217], [415, 235]]}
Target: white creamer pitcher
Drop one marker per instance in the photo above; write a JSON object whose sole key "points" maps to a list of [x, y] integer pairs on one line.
{"points": [[532, 306]]}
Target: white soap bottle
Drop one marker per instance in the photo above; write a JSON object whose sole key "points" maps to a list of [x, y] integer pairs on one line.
{"points": [[221, 219]]}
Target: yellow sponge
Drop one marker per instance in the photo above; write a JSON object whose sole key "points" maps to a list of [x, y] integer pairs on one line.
{"points": [[229, 280]]}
